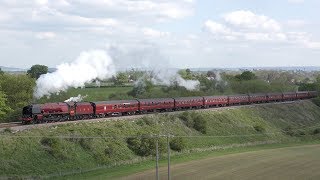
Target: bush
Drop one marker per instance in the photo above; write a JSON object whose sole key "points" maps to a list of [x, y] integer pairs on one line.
{"points": [[149, 121], [288, 131], [54, 147], [86, 143], [259, 128], [49, 142], [200, 124], [316, 101], [146, 121], [195, 121], [177, 144], [300, 133], [316, 131], [74, 138], [187, 119], [7, 130], [109, 151], [145, 146], [297, 133]]}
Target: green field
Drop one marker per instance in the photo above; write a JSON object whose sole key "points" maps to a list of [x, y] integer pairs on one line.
{"points": [[93, 94], [300, 162]]}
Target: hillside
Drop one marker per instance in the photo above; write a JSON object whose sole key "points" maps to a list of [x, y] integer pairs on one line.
{"points": [[67, 148]]}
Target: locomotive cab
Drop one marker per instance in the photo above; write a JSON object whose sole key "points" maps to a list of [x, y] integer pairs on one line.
{"points": [[26, 114], [29, 113]]}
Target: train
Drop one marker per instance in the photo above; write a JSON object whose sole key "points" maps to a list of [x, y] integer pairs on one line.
{"points": [[68, 111]]}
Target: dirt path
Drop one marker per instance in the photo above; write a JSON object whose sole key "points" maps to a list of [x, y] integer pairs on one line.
{"points": [[301, 162]]}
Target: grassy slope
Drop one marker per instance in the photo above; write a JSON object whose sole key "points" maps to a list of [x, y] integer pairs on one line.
{"points": [[42, 155]]}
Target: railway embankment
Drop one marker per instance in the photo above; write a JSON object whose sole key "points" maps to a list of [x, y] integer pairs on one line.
{"points": [[69, 148]]}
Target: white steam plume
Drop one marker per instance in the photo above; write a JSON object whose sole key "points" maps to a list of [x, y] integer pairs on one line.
{"points": [[76, 99], [167, 77], [188, 84], [89, 66], [149, 57]]}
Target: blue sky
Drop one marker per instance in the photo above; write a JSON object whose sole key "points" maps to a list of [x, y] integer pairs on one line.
{"points": [[153, 33]]}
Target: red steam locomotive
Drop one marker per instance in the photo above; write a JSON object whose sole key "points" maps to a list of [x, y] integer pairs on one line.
{"points": [[64, 111]]}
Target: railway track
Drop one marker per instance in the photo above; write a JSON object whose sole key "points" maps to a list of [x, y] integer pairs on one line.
{"points": [[9, 125], [18, 126]]}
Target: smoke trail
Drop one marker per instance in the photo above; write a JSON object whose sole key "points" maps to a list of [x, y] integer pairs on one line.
{"points": [[89, 66], [167, 77], [150, 58], [76, 99], [188, 84]]}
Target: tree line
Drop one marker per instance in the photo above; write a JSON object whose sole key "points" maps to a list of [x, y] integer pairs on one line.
{"points": [[223, 83], [16, 90]]}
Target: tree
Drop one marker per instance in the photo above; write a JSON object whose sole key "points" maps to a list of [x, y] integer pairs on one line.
{"points": [[37, 70], [205, 83], [135, 74], [4, 108], [307, 87], [141, 87], [211, 74], [121, 78], [246, 76], [1, 72], [188, 71], [186, 74], [19, 92]]}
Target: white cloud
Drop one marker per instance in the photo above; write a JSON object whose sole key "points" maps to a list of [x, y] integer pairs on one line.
{"points": [[220, 31], [161, 10], [216, 28], [154, 33], [249, 20], [296, 1], [245, 25], [147, 31], [94, 16], [4, 17], [45, 35], [45, 14], [41, 2], [296, 23], [265, 36]]}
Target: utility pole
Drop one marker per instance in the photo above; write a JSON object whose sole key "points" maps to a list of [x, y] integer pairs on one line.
{"points": [[157, 159], [168, 145]]}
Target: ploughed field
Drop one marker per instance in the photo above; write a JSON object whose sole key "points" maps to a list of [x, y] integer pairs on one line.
{"points": [[301, 162]]}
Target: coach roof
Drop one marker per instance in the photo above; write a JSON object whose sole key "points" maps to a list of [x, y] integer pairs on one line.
{"points": [[117, 102]]}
